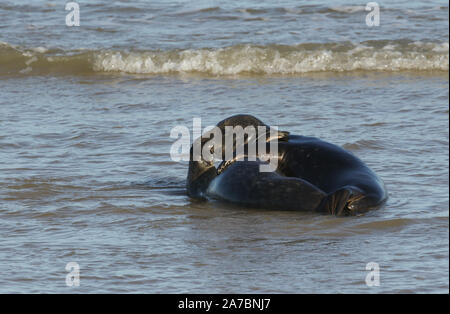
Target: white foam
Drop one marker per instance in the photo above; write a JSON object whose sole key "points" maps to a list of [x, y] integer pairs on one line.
{"points": [[278, 60], [348, 8], [40, 49], [441, 48]]}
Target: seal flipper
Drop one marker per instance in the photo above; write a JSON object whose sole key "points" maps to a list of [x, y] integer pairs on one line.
{"points": [[197, 187], [339, 203]]}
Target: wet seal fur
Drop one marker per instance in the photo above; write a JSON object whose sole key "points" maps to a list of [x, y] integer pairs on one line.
{"points": [[312, 175]]}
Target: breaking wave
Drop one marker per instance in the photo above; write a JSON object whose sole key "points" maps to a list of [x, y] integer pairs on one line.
{"points": [[384, 55]]}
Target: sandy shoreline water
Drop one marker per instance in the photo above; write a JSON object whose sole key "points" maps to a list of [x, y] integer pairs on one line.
{"points": [[85, 169]]}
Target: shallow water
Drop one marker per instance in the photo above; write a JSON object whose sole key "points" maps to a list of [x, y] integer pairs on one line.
{"points": [[85, 168]]}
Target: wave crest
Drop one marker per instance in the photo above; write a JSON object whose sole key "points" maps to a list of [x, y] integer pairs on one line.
{"points": [[236, 60]]}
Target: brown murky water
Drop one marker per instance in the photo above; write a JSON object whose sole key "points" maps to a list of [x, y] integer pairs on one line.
{"points": [[86, 174]]}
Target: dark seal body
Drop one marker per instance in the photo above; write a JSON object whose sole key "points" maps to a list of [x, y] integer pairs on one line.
{"points": [[312, 175]]}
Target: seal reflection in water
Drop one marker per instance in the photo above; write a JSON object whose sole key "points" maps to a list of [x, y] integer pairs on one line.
{"points": [[311, 175]]}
